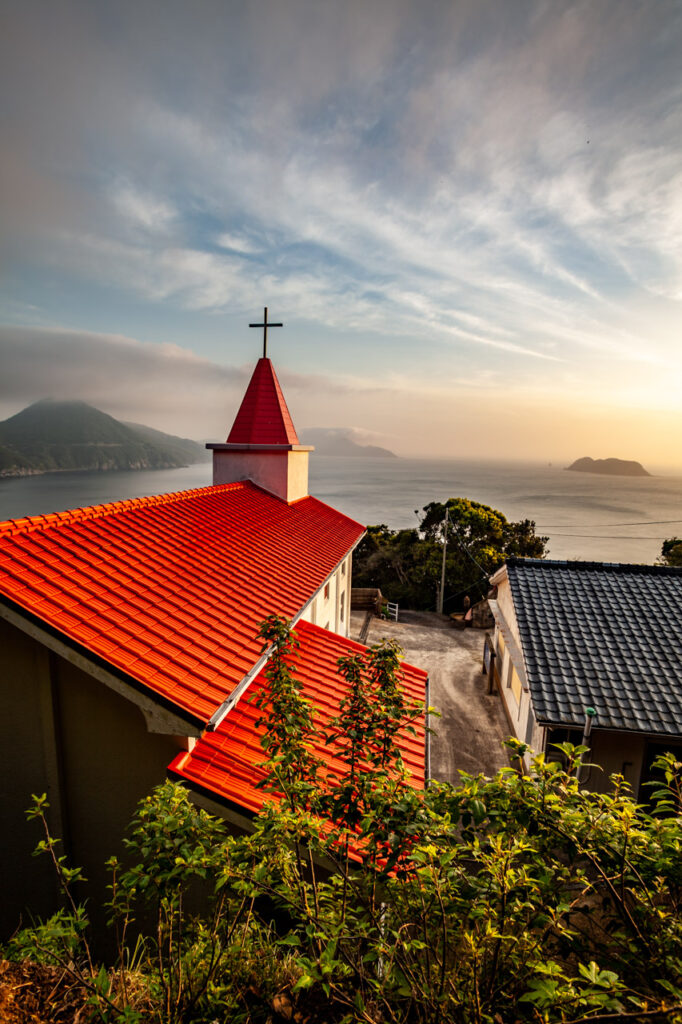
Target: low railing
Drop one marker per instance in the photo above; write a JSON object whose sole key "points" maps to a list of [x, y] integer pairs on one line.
{"points": [[391, 610]]}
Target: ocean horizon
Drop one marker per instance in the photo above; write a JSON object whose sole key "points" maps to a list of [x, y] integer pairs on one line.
{"points": [[586, 516]]}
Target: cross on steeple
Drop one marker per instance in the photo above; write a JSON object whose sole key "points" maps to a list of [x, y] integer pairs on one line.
{"points": [[265, 326]]}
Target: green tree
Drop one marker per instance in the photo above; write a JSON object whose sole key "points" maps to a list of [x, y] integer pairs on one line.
{"points": [[287, 718], [406, 564], [671, 552]]}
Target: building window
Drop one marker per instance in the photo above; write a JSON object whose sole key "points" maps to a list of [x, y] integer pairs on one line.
{"points": [[343, 568], [326, 591], [341, 606]]}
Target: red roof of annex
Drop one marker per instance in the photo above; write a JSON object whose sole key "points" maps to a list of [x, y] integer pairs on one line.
{"points": [[227, 763], [170, 590]]}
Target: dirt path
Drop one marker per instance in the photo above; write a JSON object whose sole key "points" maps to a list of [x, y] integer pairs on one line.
{"points": [[469, 734]]}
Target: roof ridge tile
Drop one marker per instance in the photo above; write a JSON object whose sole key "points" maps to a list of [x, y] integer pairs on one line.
{"points": [[635, 568]]}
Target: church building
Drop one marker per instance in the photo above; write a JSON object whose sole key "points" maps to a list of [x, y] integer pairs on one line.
{"points": [[129, 647]]}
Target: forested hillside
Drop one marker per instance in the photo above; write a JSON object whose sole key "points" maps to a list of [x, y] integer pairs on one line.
{"points": [[50, 436]]}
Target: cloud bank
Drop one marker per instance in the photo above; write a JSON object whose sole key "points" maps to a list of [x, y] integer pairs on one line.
{"points": [[476, 199]]}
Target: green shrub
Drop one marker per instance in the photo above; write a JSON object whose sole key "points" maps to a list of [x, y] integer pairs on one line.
{"points": [[520, 898]]}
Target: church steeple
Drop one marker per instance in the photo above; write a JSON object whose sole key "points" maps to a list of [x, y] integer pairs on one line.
{"points": [[263, 445], [263, 416]]}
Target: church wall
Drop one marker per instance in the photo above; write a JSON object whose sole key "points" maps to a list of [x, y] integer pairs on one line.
{"points": [[87, 747], [327, 604], [267, 469], [332, 610], [282, 473], [297, 475], [343, 597]]}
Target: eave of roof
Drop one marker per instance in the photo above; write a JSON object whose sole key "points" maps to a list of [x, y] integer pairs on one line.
{"points": [[603, 635], [170, 590], [227, 764]]}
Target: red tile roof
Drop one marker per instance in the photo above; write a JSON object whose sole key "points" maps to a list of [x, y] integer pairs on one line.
{"points": [[170, 589], [263, 416], [225, 763]]}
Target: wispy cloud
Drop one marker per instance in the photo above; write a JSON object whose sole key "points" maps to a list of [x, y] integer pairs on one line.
{"points": [[157, 384], [489, 190]]}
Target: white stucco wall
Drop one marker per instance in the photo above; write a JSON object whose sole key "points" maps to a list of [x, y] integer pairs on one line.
{"points": [[283, 473], [519, 710], [330, 604]]}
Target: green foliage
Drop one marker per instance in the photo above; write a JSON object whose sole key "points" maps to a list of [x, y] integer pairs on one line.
{"points": [[406, 564], [520, 899], [49, 941], [287, 719], [671, 551]]}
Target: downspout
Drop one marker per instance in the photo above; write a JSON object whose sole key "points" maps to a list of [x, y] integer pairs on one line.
{"points": [[590, 715], [427, 738]]}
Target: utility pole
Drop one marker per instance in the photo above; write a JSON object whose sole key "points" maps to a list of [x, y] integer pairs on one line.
{"points": [[441, 594]]}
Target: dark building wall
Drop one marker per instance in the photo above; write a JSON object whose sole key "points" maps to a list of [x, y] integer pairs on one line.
{"points": [[67, 735], [27, 765], [622, 753]]}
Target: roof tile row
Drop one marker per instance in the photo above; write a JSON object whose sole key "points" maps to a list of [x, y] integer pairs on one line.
{"points": [[602, 635], [228, 763], [185, 577]]}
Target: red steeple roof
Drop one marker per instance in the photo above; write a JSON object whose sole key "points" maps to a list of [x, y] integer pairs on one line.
{"points": [[263, 417]]}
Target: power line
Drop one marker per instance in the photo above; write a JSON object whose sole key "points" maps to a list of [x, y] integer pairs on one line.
{"points": [[610, 537], [608, 526], [468, 588]]}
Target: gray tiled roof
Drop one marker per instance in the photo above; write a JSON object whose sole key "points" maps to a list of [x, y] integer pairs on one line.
{"points": [[602, 635]]}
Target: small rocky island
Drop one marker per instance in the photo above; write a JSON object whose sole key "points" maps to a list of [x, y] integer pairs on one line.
{"points": [[608, 467]]}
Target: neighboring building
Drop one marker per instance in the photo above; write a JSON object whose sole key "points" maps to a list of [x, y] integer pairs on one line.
{"points": [[576, 635], [128, 642]]}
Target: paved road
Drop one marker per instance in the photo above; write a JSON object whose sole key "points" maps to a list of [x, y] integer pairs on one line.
{"points": [[471, 729]]}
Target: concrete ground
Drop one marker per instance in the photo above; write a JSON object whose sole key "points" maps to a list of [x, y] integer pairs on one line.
{"points": [[469, 734]]}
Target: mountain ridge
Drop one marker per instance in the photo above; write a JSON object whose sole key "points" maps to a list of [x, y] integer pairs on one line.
{"points": [[339, 441], [55, 436]]}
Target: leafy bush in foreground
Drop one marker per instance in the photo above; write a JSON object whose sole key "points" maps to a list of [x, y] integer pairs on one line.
{"points": [[514, 899]]}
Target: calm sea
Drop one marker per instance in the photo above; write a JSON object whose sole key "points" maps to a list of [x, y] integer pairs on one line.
{"points": [[614, 519]]}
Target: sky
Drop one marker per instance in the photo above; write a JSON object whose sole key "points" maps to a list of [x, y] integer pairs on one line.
{"points": [[467, 213]]}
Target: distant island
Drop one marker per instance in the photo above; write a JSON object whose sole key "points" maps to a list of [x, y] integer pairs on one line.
{"points": [[608, 467], [51, 437], [339, 441]]}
